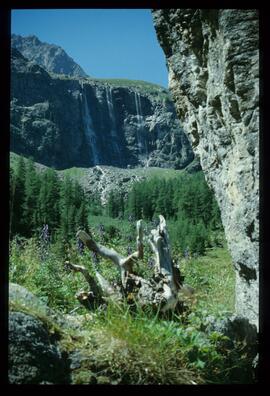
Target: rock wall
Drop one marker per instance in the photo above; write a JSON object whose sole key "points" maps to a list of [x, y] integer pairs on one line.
{"points": [[213, 63], [64, 122]]}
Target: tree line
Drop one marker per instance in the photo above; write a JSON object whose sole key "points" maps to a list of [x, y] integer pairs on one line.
{"points": [[185, 197], [39, 198], [186, 201]]}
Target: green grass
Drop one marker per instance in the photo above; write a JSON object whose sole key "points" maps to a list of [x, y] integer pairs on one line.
{"points": [[141, 349], [74, 173], [136, 349], [94, 221], [124, 347], [143, 87], [213, 278], [162, 173], [123, 82], [44, 274]]}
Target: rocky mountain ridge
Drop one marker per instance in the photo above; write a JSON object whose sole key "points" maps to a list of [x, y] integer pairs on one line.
{"points": [[49, 56], [64, 121]]}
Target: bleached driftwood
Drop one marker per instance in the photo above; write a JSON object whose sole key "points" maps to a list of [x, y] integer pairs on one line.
{"points": [[160, 291], [125, 264]]}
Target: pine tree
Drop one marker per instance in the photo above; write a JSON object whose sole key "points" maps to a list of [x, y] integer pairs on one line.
{"points": [[81, 217], [161, 199], [17, 225], [132, 207], [30, 204], [48, 200], [169, 198], [11, 199], [67, 210], [94, 205], [111, 205]]}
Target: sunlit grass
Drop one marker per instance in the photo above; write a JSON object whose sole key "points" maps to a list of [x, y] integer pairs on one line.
{"points": [[213, 278], [134, 347], [137, 349]]}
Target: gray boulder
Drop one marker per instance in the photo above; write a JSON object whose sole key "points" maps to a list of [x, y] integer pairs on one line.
{"points": [[33, 355], [20, 295]]}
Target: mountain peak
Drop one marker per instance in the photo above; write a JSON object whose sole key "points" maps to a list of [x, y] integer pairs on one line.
{"points": [[49, 56]]}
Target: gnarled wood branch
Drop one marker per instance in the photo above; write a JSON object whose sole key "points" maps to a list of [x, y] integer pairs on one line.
{"points": [[125, 264], [99, 289], [160, 291], [160, 245]]}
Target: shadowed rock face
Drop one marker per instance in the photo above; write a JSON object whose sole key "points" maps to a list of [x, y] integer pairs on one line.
{"points": [[213, 62], [64, 122], [33, 357]]}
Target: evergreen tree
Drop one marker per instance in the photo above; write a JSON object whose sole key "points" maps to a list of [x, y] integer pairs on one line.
{"points": [[169, 199], [132, 206], [112, 205], [161, 200], [94, 205], [17, 226], [198, 238], [11, 199], [66, 213], [81, 217], [79, 208], [30, 203], [48, 200]]}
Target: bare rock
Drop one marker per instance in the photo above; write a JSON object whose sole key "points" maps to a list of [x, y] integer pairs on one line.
{"points": [[33, 356], [213, 62], [73, 121]]}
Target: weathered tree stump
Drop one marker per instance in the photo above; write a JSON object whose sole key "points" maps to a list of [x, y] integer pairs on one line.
{"points": [[159, 292]]}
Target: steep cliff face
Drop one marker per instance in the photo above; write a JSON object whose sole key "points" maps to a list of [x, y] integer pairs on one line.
{"points": [[213, 63], [64, 122], [49, 56]]}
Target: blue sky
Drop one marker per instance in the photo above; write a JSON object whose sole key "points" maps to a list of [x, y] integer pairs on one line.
{"points": [[106, 43]]}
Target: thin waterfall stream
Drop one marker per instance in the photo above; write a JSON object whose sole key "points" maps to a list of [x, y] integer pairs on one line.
{"points": [[112, 119], [140, 138], [89, 129]]}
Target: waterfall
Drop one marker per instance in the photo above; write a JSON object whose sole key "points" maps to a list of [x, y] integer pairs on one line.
{"points": [[113, 131], [139, 110], [140, 138], [111, 110], [89, 129]]}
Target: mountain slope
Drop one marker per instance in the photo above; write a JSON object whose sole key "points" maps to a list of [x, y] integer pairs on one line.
{"points": [[101, 180], [50, 56]]}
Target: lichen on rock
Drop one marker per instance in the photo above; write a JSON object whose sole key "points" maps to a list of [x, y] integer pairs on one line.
{"points": [[213, 63]]}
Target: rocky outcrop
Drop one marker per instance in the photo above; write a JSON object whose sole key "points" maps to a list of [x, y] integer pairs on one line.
{"points": [[213, 62], [49, 56], [20, 295], [102, 180], [33, 356], [64, 122]]}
